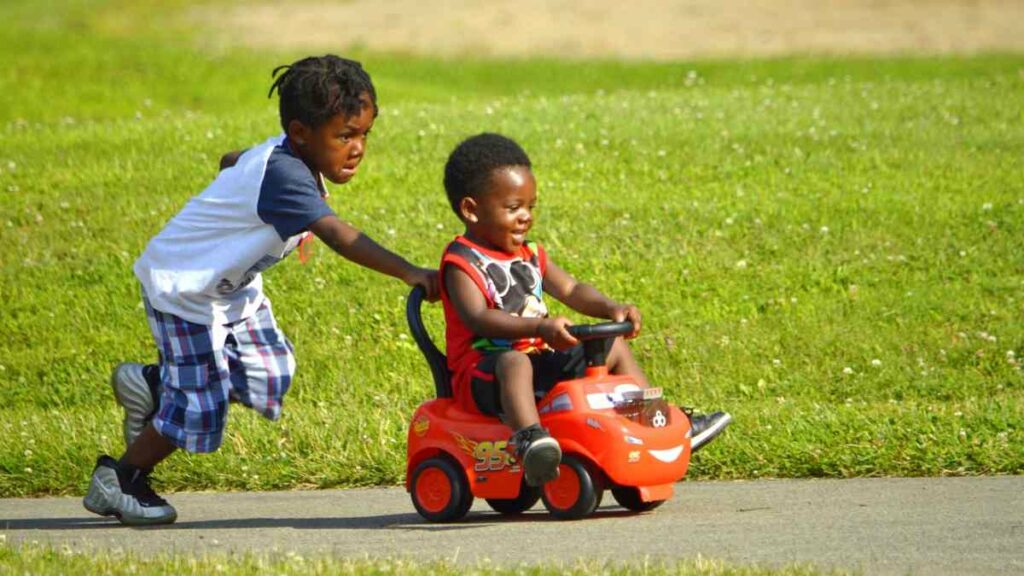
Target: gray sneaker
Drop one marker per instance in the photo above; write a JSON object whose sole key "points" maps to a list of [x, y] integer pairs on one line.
{"points": [[126, 495], [539, 453], [137, 389]]}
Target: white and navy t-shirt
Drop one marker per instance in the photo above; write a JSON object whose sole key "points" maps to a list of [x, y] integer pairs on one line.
{"points": [[205, 265]]}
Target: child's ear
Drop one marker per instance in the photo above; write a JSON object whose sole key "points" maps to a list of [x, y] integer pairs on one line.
{"points": [[298, 132], [467, 207]]}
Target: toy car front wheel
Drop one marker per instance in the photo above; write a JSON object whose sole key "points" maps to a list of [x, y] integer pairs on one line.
{"points": [[439, 491], [575, 493], [629, 498], [528, 496]]}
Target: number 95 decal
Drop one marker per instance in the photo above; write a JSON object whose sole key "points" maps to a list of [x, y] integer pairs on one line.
{"points": [[492, 456]]}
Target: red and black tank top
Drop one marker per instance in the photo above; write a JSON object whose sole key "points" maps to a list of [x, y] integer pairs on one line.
{"points": [[512, 282]]}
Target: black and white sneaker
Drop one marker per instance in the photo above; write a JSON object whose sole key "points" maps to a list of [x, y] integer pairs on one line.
{"points": [[126, 494], [137, 389], [704, 428], [539, 453]]}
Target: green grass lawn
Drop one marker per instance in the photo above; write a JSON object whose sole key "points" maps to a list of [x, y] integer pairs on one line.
{"points": [[67, 562], [830, 249]]}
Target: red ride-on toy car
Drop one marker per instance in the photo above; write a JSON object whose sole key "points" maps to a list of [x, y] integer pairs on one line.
{"points": [[613, 433]]}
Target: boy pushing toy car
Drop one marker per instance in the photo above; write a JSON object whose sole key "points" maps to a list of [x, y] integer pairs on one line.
{"points": [[202, 289]]}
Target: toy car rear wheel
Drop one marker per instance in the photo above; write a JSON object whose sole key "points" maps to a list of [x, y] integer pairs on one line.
{"points": [[629, 498], [527, 498], [439, 491], [575, 493]]}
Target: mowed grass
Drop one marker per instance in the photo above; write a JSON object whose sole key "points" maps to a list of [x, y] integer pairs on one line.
{"points": [[65, 561], [828, 249]]}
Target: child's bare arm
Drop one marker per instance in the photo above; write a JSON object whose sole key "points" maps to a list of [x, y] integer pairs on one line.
{"points": [[472, 308], [348, 241], [228, 160], [586, 299]]}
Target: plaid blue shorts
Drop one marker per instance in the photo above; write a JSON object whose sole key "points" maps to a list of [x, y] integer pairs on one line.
{"points": [[203, 367]]}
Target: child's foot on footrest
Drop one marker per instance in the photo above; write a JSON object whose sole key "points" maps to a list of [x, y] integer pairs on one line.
{"points": [[539, 454]]}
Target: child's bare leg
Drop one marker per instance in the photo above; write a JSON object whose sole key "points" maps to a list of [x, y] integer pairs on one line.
{"points": [[535, 448], [621, 362], [148, 450], [514, 374]]}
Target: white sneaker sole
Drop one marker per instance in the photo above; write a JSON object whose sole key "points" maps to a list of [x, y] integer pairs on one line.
{"points": [[709, 433], [541, 460]]}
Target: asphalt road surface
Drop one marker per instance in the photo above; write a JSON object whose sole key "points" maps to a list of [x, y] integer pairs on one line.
{"points": [[878, 526]]}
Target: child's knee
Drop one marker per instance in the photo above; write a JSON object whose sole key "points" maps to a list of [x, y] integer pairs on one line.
{"points": [[513, 364]]}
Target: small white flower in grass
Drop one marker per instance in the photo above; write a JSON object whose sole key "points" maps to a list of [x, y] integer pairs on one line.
{"points": [[823, 230], [741, 265], [963, 253], [958, 413], [27, 470], [440, 226], [847, 370], [776, 362], [986, 207], [876, 362], [1009, 354], [963, 434]]}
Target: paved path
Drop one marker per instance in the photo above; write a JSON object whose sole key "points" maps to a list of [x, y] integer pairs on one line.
{"points": [[880, 526]]}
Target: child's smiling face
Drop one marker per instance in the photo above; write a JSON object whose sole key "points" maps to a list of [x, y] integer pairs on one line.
{"points": [[336, 147], [500, 218]]}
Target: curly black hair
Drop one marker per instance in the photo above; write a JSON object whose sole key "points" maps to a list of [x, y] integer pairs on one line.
{"points": [[469, 167], [315, 89]]}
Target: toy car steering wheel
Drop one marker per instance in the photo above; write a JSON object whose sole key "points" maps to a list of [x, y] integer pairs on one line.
{"points": [[584, 332], [597, 339]]}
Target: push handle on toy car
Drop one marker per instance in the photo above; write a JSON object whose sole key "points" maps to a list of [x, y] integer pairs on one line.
{"points": [[603, 330]]}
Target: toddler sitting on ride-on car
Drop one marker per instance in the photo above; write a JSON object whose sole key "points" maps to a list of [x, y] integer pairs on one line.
{"points": [[503, 348]]}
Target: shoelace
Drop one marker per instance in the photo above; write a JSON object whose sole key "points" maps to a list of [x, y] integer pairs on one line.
{"points": [[144, 492]]}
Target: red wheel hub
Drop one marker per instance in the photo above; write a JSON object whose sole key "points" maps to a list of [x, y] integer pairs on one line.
{"points": [[433, 490], [564, 491]]}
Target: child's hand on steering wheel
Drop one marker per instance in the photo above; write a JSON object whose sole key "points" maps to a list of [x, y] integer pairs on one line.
{"points": [[554, 332], [626, 313]]}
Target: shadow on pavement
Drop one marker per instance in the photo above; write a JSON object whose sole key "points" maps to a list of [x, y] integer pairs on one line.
{"points": [[410, 521], [82, 522]]}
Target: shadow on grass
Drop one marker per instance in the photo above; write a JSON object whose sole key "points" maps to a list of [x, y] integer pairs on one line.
{"points": [[410, 521]]}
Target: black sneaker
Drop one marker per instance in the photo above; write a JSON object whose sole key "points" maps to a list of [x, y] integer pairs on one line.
{"points": [[126, 494], [704, 428], [539, 454]]}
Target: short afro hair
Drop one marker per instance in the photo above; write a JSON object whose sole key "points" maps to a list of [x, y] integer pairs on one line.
{"points": [[469, 167], [315, 89]]}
